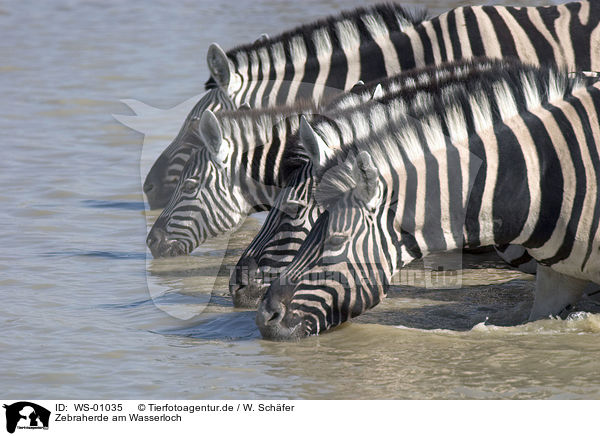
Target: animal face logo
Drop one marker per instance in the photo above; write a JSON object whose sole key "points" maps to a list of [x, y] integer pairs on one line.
{"points": [[26, 415]]}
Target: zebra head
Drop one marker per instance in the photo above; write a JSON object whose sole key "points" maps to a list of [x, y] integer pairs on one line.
{"points": [[345, 263], [205, 202], [288, 223], [273, 248], [162, 178]]}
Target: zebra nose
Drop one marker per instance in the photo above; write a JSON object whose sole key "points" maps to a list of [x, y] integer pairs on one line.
{"points": [[245, 287], [273, 317], [161, 245], [156, 238], [148, 187], [271, 310]]}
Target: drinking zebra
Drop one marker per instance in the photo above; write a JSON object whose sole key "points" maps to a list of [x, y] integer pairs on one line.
{"points": [[235, 173], [372, 43], [509, 161], [164, 174], [295, 211]]}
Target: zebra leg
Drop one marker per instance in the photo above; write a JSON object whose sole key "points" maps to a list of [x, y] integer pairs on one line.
{"points": [[554, 292]]}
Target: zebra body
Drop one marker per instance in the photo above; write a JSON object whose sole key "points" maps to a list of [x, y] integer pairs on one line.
{"points": [[295, 209], [513, 162], [367, 44]]}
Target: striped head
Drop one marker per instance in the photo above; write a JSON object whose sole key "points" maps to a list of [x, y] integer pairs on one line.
{"points": [[288, 223], [274, 247], [345, 263], [164, 175], [205, 202]]}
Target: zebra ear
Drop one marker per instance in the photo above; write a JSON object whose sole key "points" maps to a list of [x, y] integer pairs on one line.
{"points": [[211, 132], [218, 65], [377, 92], [358, 87], [313, 143], [365, 176], [262, 38]]}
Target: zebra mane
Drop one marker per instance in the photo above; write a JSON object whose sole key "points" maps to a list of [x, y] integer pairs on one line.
{"points": [[262, 124], [358, 114], [389, 15], [427, 78], [426, 125], [275, 112]]}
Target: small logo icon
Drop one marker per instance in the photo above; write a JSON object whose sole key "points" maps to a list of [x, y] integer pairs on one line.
{"points": [[26, 415]]}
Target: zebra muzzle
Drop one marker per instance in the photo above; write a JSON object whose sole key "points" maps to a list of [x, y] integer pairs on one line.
{"points": [[161, 246], [245, 286], [273, 317]]}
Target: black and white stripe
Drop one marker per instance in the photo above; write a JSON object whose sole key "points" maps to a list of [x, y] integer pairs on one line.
{"points": [[515, 160], [306, 63], [331, 55]]}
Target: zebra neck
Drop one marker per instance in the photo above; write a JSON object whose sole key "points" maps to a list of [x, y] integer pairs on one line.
{"points": [[326, 59], [323, 60], [259, 142]]}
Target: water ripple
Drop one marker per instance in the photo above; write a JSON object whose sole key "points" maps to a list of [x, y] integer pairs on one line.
{"points": [[94, 253], [225, 327], [106, 204]]}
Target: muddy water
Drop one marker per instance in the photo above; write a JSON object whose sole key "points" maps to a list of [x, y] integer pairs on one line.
{"points": [[86, 313]]}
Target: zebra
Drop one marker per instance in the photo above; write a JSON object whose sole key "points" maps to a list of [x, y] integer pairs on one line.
{"points": [[376, 42], [295, 211], [233, 174], [507, 162]]}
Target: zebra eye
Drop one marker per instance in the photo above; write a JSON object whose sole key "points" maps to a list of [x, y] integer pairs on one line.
{"points": [[190, 186], [336, 241]]}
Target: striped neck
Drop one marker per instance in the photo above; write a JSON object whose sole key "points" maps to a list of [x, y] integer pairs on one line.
{"points": [[369, 44], [318, 59], [257, 142]]}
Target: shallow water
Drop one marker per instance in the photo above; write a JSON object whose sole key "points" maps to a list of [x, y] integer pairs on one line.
{"points": [[86, 314]]}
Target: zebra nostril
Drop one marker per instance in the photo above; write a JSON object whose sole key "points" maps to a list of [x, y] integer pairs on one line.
{"points": [[155, 237], [274, 317], [275, 321], [148, 187]]}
